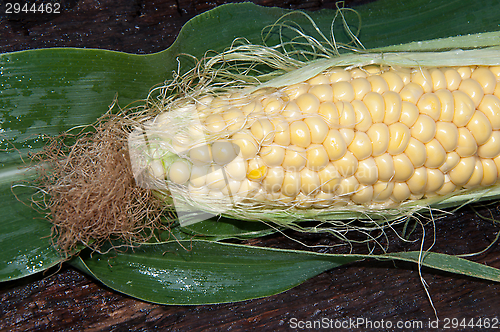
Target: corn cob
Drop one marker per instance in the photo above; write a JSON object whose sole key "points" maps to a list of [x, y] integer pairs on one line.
{"points": [[371, 136]]}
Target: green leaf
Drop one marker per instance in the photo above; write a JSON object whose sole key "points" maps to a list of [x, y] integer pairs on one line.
{"points": [[25, 238], [395, 22], [206, 272], [448, 263], [202, 272], [44, 92]]}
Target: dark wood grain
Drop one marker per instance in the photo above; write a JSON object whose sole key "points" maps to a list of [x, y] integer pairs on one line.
{"points": [[64, 299]]}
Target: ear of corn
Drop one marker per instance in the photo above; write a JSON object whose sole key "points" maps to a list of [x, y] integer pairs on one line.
{"points": [[334, 138], [373, 136]]}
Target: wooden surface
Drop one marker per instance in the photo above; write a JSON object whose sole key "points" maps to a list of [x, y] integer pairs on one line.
{"points": [[66, 300]]}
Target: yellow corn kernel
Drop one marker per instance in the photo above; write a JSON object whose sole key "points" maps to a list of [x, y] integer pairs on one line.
{"points": [[309, 182], [292, 112], [464, 108], [436, 155], [300, 134], [473, 89], [256, 169], [358, 73], [347, 117], [477, 175], [393, 103], [394, 82], [496, 72], [435, 180], [423, 78], [447, 135], [252, 108], [215, 123], [399, 137], [343, 91], [424, 128], [347, 186], [418, 181], [416, 152], [273, 104], [328, 111], [490, 106], [347, 165], [452, 160], [274, 179], [363, 194], [461, 173], [403, 168], [490, 149], [281, 130], [329, 178], [347, 134], [318, 128], [378, 84], [400, 192], [447, 187], [409, 114], [367, 172], [237, 168], [291, 184], [234, 118], [447, 104], [430, 105], [323, 200], [339, 74], [272, 155], [198, 177], [263, 131], [464, 72], [323, 92], [467, 145], [215, 177], [223, 152], [404, 74], [295, 158], [480, 127], [201, 155], [363, 117], [378, 134], [385, 165], [308, 103], [411, 92], [489, 172], [361, 87], [335, 145], [438, 79], [316, 157], [376, 106], [231, 189], [247, 144], [319, 79], [453, 79], [485, 78], [382, 191], [179, 172], [361, 145]]}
